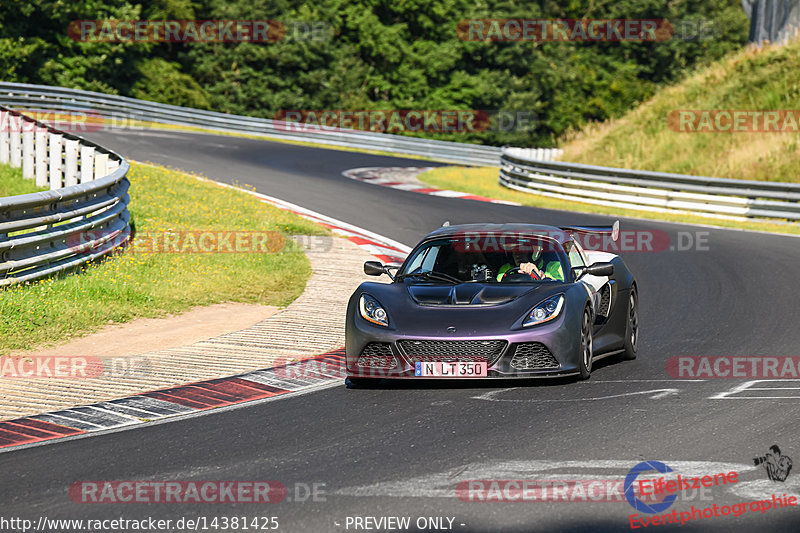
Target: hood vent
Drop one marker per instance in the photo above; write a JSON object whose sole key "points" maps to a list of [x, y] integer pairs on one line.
{"points": [[467, 293]]}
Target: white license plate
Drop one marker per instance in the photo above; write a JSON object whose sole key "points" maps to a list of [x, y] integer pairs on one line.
{"points": [[450, 370]]}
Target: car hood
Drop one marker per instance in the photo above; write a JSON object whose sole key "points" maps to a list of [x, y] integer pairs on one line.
{"points": [[468, 293], [474, 309]]}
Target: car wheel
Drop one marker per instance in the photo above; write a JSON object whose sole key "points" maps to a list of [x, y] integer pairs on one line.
{"points": [[585, 359], [360, 383], [632, 328]]}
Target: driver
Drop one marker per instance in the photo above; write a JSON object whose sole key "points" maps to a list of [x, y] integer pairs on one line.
{"points": [[532, 264]]}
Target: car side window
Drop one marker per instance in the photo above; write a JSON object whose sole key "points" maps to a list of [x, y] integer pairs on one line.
{"points": [[581, 251], [574, 253], [418, 260], [424, 260], [430, 258]]}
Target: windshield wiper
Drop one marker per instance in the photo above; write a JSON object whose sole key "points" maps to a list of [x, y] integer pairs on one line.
{"points": [[430, 275]]}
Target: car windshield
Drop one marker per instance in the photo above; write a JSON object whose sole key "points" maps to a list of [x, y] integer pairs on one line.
{"points": [[487, 258]]}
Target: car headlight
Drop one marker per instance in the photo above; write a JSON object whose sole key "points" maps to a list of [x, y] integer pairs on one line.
{"points": [[372, 311], [545, 311]]}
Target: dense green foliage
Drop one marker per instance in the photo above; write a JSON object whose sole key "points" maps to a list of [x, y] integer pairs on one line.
{"points": [[378, 54]]}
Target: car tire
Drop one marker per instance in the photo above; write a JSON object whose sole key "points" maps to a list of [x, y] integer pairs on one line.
{"points": [[632, 327], [585, 355]]}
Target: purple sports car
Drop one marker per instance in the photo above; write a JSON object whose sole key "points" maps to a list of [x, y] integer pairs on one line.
{"points": [[493, 301]]}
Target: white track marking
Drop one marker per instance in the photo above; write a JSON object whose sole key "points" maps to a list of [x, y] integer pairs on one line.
{"points": [[667, 392], [749, 386], [593, 381], [408, 181], [491, 396]]}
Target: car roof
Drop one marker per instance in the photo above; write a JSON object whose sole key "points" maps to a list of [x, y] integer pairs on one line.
{"points": [[550, 232]]}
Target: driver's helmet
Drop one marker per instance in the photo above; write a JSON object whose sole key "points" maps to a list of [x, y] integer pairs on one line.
{"points": [[536, 251], [532, 250]]}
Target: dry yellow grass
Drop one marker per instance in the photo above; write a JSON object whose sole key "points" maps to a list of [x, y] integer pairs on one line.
{"points": [[752, 79]]}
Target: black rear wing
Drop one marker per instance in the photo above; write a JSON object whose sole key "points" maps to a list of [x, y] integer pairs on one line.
{"points": [[613, 230]]}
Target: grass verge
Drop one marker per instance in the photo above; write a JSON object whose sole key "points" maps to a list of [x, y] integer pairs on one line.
{"points": [[12, 183], [483, 182], [147, 284]]}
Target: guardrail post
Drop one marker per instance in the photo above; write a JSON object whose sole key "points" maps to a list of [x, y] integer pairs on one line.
{"points": [[41, 157], [15, 147], [27, 153], [70, 162], [87, 163], [100, 164], [55, 161], [4, 156]]}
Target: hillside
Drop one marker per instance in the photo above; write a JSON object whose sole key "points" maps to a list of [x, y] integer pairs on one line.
{"points": [[653, 137]]}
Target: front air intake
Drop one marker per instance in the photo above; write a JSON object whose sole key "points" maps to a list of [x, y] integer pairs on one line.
{"points": [[533, 356], [421, 351]]}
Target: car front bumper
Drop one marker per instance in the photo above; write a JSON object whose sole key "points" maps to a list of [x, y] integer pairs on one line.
{"points": [[546, 350]]}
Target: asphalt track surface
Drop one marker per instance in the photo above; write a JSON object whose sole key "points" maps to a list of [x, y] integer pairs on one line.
{"points": [[379, 451]]}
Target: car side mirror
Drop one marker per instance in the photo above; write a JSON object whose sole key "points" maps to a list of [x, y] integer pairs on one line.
{"points": [[595, 269], [600, 269], [374, 268]]}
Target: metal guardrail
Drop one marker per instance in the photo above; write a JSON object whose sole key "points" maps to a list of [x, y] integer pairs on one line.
{"points": [[124, 109], [47, 232], [645, 190]]}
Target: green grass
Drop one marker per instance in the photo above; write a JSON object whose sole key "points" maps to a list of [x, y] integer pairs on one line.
{"points": [[147, 284], [12, 183], [751, 79], [483, 182]]}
